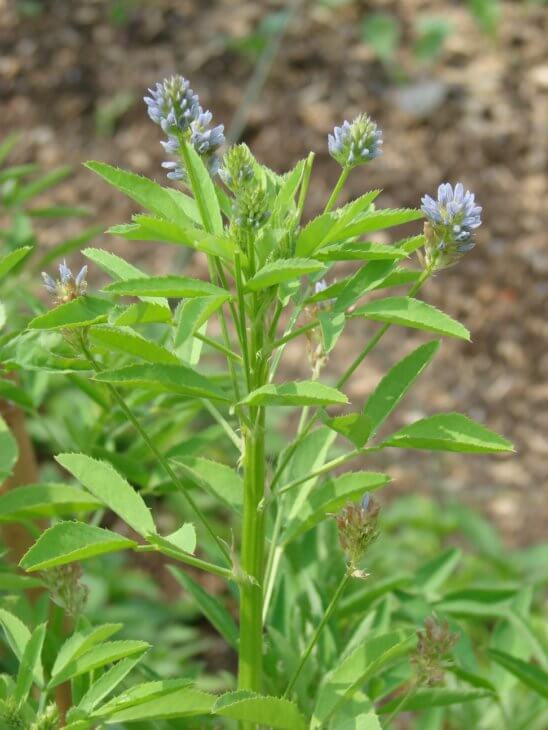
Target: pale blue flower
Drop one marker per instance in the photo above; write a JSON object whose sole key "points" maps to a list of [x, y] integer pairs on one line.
{"points": [[355, 143]]}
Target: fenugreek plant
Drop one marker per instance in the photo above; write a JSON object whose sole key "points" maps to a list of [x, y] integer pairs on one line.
{"points": [[287, 531]]}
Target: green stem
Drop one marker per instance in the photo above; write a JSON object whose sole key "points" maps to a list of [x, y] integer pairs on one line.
{"points": [[188, 559], [225, 425], [337, 189], [159, 456], [399, 706], [312, 643], [218, 346], [294, 333]]}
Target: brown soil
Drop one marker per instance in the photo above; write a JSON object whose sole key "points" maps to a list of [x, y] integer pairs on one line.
{"points": [[476, 114]]}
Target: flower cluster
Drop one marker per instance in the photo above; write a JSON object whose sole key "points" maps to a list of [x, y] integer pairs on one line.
{"points": [[67, 287], [174, 106], [435, 642], [355, 143], [451, 222], [240, 173], [67, 590], [357, 524]]}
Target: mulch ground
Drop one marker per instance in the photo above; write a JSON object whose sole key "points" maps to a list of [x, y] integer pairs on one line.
{"points": [[71, 80]]}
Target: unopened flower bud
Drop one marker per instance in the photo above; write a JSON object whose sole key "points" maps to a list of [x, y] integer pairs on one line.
{"points": [[355, 143], [66, 287], [434, 643], [47, 720], [451, 222], [238, 168], [358, 528], [251, 208]]}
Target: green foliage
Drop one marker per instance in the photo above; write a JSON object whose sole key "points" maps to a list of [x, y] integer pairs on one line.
{"points": [[166, 410]]}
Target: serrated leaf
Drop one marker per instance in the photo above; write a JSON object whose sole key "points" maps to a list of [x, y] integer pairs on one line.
{"points": [[142, 313], [364, 280], [17, 633], [204, 190], [97, 657], [120, 270], [166, 286], [529, 674], [299, 393], [103, 481], [354, 426], [30, 665], [171, 378], [331, 328], [414, 313], [44, 500], [360, 251], [165, 202], [210, 606], [106, 683], [329, 497], [395, 384], [11, 259], [80, 312], [281, 271], [176, 700], [449, 432], [351, 673], [8, 451], [131, 343], [217, 478], [248, 707], [81, 642], [312, 235], [378, 220], [67, 542], [193, 313], [425, 698]]}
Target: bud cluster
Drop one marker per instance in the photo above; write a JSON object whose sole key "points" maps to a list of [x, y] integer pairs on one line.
{"points": [[353, 144], [435, 642], [66, 587], [11, 716], [176, 108], [67, 287], [240, 173], [47, 720], [451, 222], [358, 528]]}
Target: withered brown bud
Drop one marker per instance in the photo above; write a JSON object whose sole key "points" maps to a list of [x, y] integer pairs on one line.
{"points": [[358, 528], [434, 644]]}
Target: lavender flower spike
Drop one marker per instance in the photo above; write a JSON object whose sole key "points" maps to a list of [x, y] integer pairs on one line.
{"points": [[451, 222], [355, 143], [173, 105], [66, 287]]}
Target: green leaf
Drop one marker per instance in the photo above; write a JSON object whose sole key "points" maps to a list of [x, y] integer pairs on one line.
{"points": [[331, 328], [165, 202], [329, 497], [414, 313], [364, 280], [17, 634], [80, 643], [283, 270], [31, 664], [449, 432], [184, 538], [431, 576], [106, 683], [8, 451], [395, 384], [210, 606], [120, 270], [529, 674], [378, 220], [352, 672], [425, 698], [171, 378], [367, 721], [142, 313], [146, 228], [218, 479], [131, 343], [152, 701], [10, 260], [312, 235], [204, 190], [67, 542], [360, 251], [248, 707], [193, 313], [44, 500], [80, 312], [103, 481], [166, 286], [354, 426], [303, 393], [97, 657], [361, 600]]}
